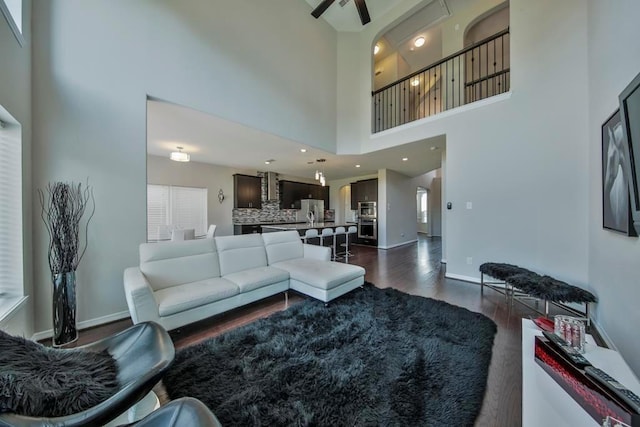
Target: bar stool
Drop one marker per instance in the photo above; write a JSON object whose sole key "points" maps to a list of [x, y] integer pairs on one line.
{"points": [[328, 232], [311, 233], [351, 231], [339, 231]]}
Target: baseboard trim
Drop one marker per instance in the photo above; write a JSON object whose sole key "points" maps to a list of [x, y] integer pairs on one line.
{"points": [[462, 277], [11, 308], [85, 324], [398, 244]]}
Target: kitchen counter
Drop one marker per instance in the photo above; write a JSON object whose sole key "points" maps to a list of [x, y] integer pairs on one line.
{"points": [[304, 226]]}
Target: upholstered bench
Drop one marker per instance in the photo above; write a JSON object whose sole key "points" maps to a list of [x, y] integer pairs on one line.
{"points": [[533, 285]]}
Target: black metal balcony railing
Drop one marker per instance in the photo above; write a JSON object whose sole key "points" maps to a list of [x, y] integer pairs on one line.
{"points": [[474, 73]]}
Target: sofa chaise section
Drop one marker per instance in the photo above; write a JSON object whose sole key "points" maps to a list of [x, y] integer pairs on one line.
{"points": [[311, 272]]}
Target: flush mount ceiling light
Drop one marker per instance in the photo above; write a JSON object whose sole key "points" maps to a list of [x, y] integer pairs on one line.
{"points": [[376, 49], [179, 156], [415, 82], [419, 41]]}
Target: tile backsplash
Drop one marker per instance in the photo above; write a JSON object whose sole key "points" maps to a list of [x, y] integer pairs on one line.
{"points": [[270, 212]]}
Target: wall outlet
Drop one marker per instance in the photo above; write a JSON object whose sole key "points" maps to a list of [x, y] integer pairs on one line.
{"points": [[469, 260], [469, 205]]}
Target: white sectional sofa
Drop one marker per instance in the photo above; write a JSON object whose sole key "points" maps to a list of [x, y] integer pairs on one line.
{"points": [[180, 282]]}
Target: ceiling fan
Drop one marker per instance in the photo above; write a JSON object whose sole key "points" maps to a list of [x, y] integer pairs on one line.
{"points": [[360, 5]]}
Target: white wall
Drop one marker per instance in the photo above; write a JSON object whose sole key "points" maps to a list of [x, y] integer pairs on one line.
{"points": [[15, 97], [269, 65], [614, 60], [396, 209]]}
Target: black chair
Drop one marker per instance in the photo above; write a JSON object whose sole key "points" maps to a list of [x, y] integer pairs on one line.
{"points": [[142, 353], [184, 412]]}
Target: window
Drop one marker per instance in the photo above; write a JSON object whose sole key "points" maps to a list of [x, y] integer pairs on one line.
{"points": [[11, 269], [172, 207], [422, 202], [12, 11]]}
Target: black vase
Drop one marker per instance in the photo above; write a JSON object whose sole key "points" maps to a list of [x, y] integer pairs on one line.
{"points": [[64, 309]]}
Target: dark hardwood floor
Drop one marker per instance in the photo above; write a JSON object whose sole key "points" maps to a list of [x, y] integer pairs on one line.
{"points": [[414, 269]]}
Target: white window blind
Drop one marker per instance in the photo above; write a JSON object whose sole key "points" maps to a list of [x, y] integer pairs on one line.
{"points": [[172, 207], [158, 212], [11, 272]]}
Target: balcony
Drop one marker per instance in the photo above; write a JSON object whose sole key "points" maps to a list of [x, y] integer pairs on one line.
{"points": [[477, 72]]}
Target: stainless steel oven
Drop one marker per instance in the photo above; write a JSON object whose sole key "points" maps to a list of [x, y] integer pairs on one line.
{"points": [[368, 228], [367, 210]]}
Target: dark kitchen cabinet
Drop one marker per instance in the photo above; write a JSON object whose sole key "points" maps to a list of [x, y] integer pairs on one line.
{"points": [[354, 196], [364, 191], [368, 190], [247, 229], [292, 192], [289, 195], [247, 191]]}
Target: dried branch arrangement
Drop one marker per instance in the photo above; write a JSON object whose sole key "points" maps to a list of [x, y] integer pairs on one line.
{"points": [[63, 206]]}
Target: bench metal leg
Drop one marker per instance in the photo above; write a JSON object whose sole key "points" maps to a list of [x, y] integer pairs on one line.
{"points": [[546, 308]]}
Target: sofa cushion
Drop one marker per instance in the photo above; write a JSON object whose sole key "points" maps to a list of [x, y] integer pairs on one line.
{"points": [[183, 297], [167, 264], [320, 274], [282, 246], [237, 253], [248, 280]]}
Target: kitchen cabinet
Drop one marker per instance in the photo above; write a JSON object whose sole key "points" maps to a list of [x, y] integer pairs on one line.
{"points": [[292, 192], [247, 191], [354, 196], [247, 229], [368, 190], [364, 191]]}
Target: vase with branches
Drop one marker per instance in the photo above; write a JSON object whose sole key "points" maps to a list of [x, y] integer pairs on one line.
{"points": [[63, 207]]}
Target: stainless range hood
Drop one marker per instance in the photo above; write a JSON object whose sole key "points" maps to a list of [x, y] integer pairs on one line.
{"points": [[272, 183]]}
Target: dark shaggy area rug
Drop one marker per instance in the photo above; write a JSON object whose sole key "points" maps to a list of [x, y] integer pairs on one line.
{"points": [[372, 357]]}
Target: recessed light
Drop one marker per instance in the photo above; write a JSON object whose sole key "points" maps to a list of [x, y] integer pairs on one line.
{"points": [[434, 148], [357, 166], [376, 49], [419, 41], [404, 159], [303, 150], [415, 82], [267, 162]]}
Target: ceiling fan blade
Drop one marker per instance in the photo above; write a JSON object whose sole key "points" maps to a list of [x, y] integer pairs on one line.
{"points": [[363, 12], [321, 8]]}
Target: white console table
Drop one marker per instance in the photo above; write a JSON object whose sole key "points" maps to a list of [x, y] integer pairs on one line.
{"points": [[544, 402]]}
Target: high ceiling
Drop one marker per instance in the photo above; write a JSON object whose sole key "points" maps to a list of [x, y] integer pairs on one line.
{"points": [[211, 139]]}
